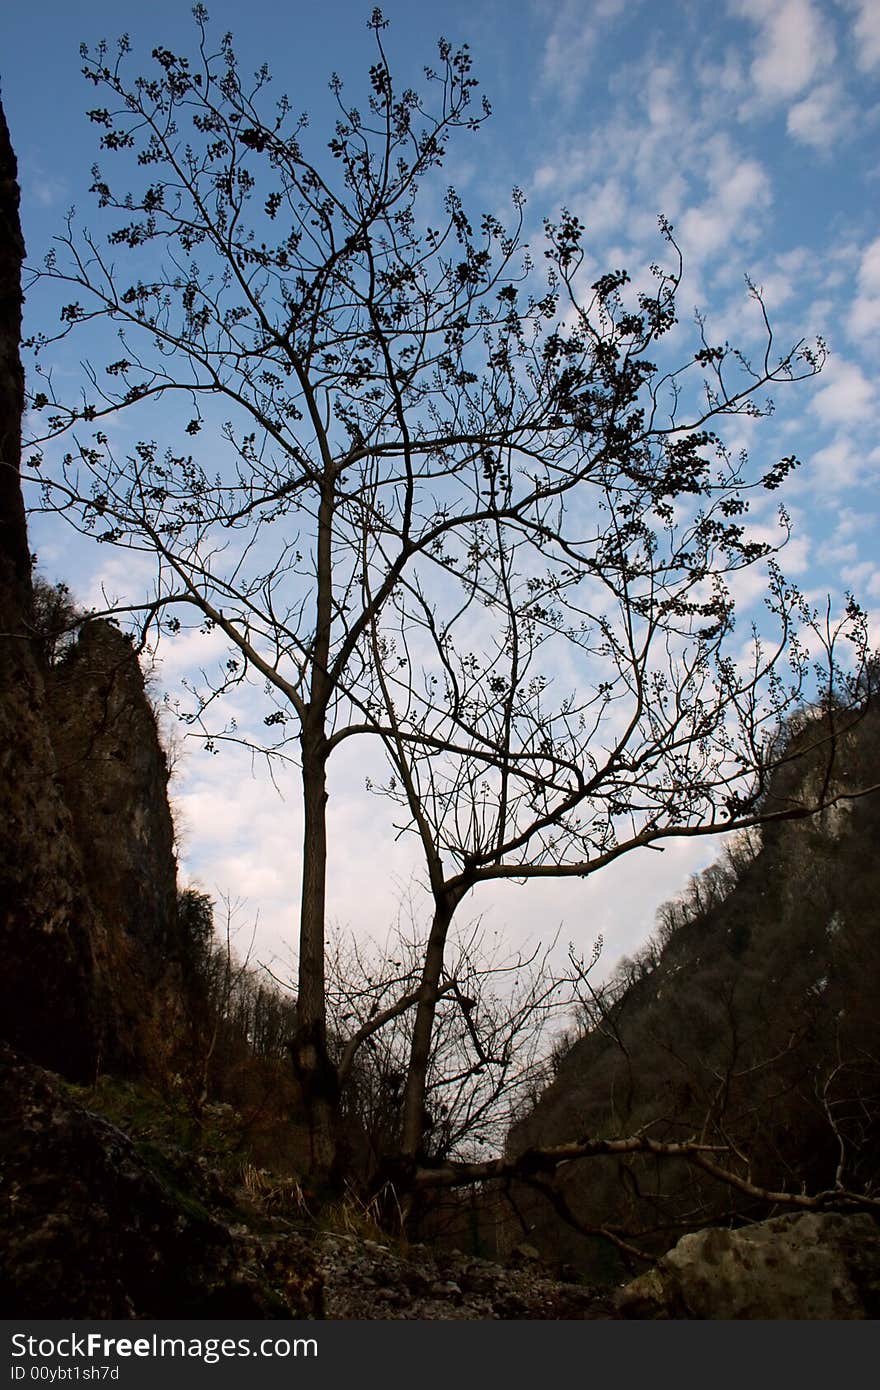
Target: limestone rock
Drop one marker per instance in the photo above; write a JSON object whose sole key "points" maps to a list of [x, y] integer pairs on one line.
{"points": [[91, 1226], [87, 867], [114, 778], [809, 1265], [52, 1002]]}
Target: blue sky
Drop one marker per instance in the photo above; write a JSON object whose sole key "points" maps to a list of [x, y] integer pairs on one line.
{"points": [[753, 126]]}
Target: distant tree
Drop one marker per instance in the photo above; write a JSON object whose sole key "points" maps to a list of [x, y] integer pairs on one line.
{"points": [[195, 928], [236, 1017], [430, 496], [488, 1046], [55, 620]]}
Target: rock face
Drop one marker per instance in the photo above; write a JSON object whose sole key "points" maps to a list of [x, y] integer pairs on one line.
{"points": [[114, 777], [806, 1266], [92, 1224], [87, 868], [91, 1227], [53, 1001]]}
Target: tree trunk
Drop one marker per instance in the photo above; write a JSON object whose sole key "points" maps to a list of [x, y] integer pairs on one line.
{"points": [[314, 1069], [423, 1029], [317, 1076]]}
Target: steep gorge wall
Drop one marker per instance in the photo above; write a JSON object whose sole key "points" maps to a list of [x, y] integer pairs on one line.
{"points": [[759, 1023], [87, 869], [51, 988], [114, 778]]}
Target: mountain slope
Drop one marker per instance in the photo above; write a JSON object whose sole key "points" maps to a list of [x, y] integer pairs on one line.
{"points": [[751, 1022]]}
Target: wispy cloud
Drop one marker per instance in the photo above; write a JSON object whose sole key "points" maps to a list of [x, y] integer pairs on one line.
{"points": [[44, 189], [839, 467], [571, 42], [847, 397], [792, 45], [864, 318], [822, 117], [866, 33], [739, 191]]}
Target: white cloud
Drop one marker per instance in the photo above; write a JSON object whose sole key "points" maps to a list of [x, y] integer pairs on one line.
{"points": [[721, 75], [853, 523], [838, 466], [604, 208], [571, 43], [860, 577], [847, 397], [121, 575], [792, 45], [46, 190], [866, 33], [844, 554], [748, 586], [739, 190], [822, 118], [664, 97], [241, 841], [190, 650], [619, 902], [864, 319]]}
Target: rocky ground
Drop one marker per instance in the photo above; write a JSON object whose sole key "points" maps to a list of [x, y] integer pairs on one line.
{"points": [[98, 1220], [107, 1215], [364, 1279], [803, 1266]]}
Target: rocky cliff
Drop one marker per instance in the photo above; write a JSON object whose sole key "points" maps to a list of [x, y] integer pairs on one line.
{"points": [[113, 776], [53, 997], [87, 868], [92, 1222]]}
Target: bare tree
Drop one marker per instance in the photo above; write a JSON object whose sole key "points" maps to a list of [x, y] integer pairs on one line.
{"points": [[489, 1046], [447, 502]]}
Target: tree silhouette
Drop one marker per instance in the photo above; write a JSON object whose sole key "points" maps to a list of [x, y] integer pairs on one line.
{"points": [[432, 493]]}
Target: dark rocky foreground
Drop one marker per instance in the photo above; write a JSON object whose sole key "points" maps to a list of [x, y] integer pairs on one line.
{"points": [[797, 1267], [373, 1280], [95, 1224]]}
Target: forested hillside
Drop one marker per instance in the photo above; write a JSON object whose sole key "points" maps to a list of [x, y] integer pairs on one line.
{"points": [[751, 1021]]}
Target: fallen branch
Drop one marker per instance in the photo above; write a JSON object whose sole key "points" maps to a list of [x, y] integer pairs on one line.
{"points": [[546, 1161]]}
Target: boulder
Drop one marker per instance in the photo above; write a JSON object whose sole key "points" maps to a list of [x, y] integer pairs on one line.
{"points": [[94, 1226], [808, 1265]]}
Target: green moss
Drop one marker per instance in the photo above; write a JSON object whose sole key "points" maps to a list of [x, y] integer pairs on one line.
{"points": [[166, 1119], [186, 1152], [169, 1179]]}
